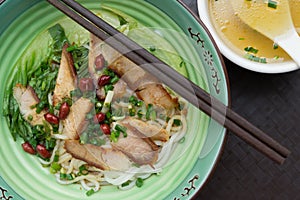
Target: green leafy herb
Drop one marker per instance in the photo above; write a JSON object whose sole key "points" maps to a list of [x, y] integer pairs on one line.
{"points": [[272, 4], [90, 192], [251, 49], [256, 58], [139, 182], [59, 37]]}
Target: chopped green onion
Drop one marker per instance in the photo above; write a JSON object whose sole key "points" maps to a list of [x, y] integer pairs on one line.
{"points": [[251, 49], [108, 72], [139, 103], [275, 46], [62, 176], [114, 80], [55, 167], [255, 58], [131, 112], [108, 87], [108, 115], [272, 4], [139, 182], [90, 192], [50, 144], [83, 170], [177, 122], [30, 117], [113, 136], [107, 101], [125, 134], [70, 177], [150, 113], [126, 183], [120, 128], [140, 114], [56, 158], [132, 100]]}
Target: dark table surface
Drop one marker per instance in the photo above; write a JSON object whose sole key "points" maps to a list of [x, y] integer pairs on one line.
{"points": [[271, 102]]}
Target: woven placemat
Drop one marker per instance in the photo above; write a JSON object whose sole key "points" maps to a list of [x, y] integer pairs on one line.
{"points": [[271, 102]]}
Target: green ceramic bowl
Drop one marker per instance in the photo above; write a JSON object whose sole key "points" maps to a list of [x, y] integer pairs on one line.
{"points": [[22, 177]]}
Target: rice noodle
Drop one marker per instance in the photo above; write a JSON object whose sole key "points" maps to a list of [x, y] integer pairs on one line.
{"points": [[97, 177]]}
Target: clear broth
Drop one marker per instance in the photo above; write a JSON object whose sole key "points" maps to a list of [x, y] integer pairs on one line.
{"points": [[238, 35]]}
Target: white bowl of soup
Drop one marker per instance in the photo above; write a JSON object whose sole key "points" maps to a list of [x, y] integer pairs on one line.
{"points": [[243, 45]]}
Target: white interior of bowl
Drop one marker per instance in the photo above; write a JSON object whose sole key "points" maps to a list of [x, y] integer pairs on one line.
{"points": [[227, 51]]}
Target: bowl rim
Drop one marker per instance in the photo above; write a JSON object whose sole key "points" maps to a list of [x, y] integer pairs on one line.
{"points": [[270, 68], [222, 147]]}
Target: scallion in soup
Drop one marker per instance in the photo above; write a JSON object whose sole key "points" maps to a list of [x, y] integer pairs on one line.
{"points": [[243, 39]]}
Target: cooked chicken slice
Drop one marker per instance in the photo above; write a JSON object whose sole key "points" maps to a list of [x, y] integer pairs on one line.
{"points": [[137, 147], [133, 75], [66, 78], [119, 89], [102, 158], [158, 95], [27, 99], [149, 130], [76, 122], [147, 86]]}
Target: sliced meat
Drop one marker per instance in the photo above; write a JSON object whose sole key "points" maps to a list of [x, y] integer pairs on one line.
{"points": [[158, 95], [137, 147], [133, 75], [119, 89], [102, 158], [147, 86], [152, 131], [27, 99], [66, 78], [76, 122]]}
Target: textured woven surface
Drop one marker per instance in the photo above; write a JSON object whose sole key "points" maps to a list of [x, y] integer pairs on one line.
{"points": [[270, 102]]}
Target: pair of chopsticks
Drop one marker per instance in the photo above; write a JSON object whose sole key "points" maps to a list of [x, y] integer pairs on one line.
{"points": [[180, 84]]}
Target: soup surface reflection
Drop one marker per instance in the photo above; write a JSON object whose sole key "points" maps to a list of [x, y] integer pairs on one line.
{"points": [[245, 40]]}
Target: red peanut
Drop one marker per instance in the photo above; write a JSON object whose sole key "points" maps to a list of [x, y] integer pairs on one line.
{"points": [[27, 147], [64, 110], [42, 151], [103, 80], [86, 84], [52, 119], [105, 129]]}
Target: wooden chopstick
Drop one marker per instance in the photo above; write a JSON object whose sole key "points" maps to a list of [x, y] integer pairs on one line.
{"points": [[181, 85]]}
